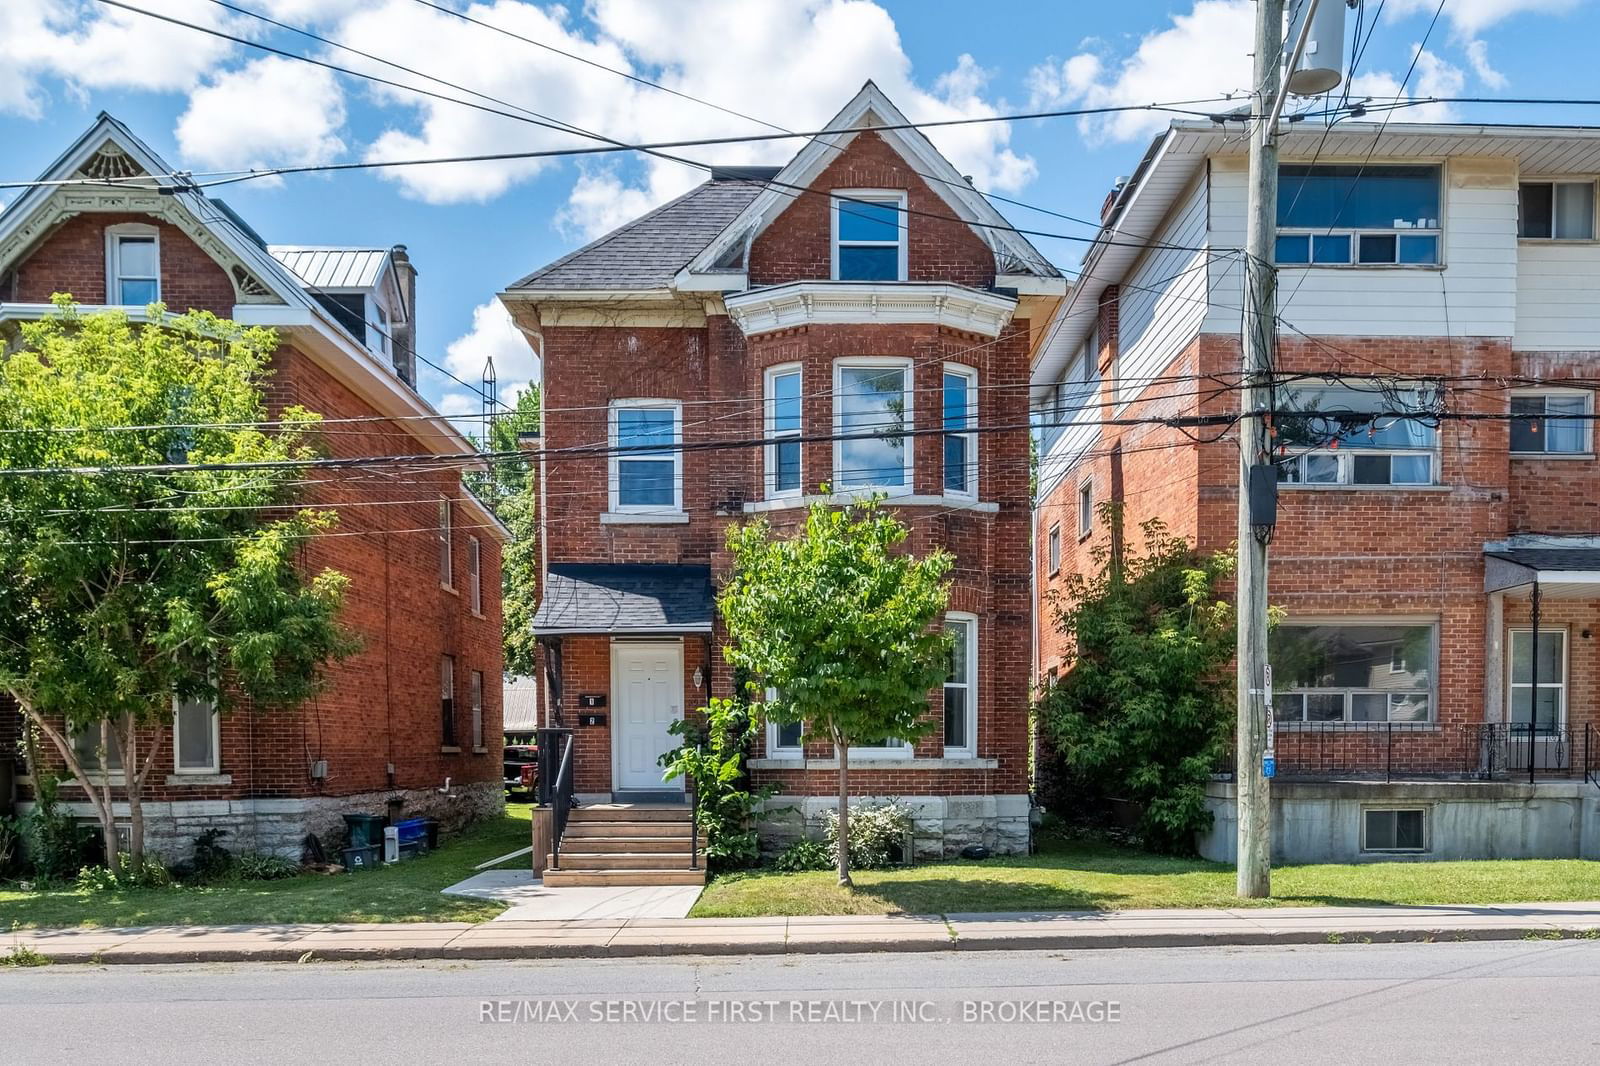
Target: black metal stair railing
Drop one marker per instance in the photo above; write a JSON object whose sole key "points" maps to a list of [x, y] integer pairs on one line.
{"points": [[555, 786]]}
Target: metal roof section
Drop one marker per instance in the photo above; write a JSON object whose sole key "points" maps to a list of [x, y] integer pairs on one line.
{"points": [[1177, 155], [519, 704], [625, 598], [647, 253], [333, 267]]}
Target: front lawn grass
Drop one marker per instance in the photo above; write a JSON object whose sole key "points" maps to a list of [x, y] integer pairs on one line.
{"points": [[1080, 874], [405, 892]]}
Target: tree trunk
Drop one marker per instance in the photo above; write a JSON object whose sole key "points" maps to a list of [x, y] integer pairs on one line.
{"points": [[844, 815], [133, 775], [101, 800]]}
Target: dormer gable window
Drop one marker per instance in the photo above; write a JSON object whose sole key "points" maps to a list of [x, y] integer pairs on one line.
{"points": [[869, 234], [133, 265]]}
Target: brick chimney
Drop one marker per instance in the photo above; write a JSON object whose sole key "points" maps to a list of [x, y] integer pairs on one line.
{"points": [[404, 348], [1111, 200]]}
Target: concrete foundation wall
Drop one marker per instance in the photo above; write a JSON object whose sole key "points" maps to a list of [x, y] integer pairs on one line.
{"points": [[943, 825], [1321, 821], [279, 826]]}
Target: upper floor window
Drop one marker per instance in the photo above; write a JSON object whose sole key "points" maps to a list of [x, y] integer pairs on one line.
{"points": [[442, 532], [869, 235], [1344, 672], [1085, 509], [475, 575], [872, 404], [1360, 215], [1336, 437], [133, 265], [783, 430], [646, 461], [960, 443], [1053, 550], [1555, 210], [1550, 423]]}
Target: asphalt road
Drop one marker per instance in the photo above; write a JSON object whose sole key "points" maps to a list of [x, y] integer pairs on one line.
{"points": [[1396, 1005]]}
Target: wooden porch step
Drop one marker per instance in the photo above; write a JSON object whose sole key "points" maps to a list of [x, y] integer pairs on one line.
{"points": [[632, 845], [578, 878], [622, 860], [666, 830], [629, 812]]}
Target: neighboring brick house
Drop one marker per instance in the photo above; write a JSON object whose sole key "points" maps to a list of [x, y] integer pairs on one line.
{"points": [[419, 704], [864, 279], [1443, 266]]}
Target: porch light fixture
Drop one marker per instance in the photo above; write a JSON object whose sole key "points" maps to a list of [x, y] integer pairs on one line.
{"points": [[699, 677]]}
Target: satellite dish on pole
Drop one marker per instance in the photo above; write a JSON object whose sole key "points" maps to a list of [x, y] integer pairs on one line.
{"points": [[1321, 63]]}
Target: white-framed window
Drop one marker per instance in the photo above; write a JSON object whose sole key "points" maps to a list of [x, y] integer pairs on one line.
{"points": [[872, 404], [781, 389], [382, 339], [477, 709], [133, 264], [1556, 210], [869, 234], [1340, 440], [1394, 829], [785, 740], [1551, 423], [1052, 553], [442, 534], [196, 737], [891, 748], [1085, 508], [961, 687], [1546, 707], [447, 700], [960, 394], [87, 747], [475, 575], [1358, 215], [1344, 671], [646, 472]]}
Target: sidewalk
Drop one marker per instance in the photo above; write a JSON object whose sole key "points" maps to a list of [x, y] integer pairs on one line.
{"points": [[622, 938]]}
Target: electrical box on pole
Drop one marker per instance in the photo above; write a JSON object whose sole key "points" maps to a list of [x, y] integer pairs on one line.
{"points": [[1319, 65]]}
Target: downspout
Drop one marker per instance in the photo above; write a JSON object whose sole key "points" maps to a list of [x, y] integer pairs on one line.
{"points": [[1533, 695]]}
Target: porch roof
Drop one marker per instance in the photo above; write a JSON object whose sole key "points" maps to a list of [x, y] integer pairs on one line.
{"points": [[1560, 571], [625, 598]]}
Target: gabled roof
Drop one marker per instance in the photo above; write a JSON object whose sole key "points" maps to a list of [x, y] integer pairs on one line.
{"points": [[1014, 253], [648, 252], [327, 267]]}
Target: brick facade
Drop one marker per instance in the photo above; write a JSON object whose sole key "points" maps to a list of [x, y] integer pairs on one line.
{"points": [[381, 707]]}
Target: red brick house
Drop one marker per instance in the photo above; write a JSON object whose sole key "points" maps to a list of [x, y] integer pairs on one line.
{"points": [[1424, 563], [864, 285], [418, 707]]}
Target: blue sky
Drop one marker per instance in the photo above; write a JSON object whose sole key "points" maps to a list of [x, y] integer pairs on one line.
{"points": [[211, 106]]}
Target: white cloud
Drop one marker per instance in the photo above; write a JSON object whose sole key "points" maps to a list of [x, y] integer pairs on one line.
{"points": [[1469, 17], [1478, 55], [1433, 77], [1199, 56], [493, 336], [598, 203], [270, 111]]}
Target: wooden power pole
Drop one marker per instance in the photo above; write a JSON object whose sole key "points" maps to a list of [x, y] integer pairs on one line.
{"points": [[1257, 484]]}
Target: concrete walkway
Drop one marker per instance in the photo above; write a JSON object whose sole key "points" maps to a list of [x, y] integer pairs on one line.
{"points": [[528, 900], [624, 937]]}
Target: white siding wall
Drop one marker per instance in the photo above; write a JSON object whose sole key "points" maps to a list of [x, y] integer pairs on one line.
{"points": [[1473, 295], [1163, 301], [1558, 297]]}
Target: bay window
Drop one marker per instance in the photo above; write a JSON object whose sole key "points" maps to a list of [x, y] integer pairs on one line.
{"points": [[869, 234], [1352, 672], [1336, 437], [872, 407], [1343, 215], [783, 431], [1550, 423], [647, 463], [1556, 210], [960, 443]]}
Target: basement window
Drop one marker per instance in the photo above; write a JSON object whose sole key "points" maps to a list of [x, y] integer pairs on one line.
{"points": [[1394, 829]]}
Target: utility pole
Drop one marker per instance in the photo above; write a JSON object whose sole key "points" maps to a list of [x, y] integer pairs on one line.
{"points": [[1260, 324]]}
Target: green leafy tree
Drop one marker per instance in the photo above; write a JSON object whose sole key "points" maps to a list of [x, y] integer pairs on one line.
{"points": [[511, 491], [123, 590], [843, 626], [1145, 710]]}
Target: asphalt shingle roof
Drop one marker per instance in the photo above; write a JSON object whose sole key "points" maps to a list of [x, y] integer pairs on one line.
{"points": [[648, 252], [1552, 560], [625, 598]]}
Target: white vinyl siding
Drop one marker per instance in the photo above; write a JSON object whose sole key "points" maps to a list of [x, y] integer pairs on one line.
{"points": [[1472, 293], [1162, 305], [1558, 296]]}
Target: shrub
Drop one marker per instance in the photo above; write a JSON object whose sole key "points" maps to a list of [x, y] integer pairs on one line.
{"points": [[211, 860], [877, 833], [804, 855], [126, 875], [254, 867], [712, 758], [10, 847], [57, 846]]}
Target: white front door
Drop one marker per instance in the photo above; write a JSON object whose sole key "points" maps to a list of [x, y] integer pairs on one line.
{"points": [[648, 696]]}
